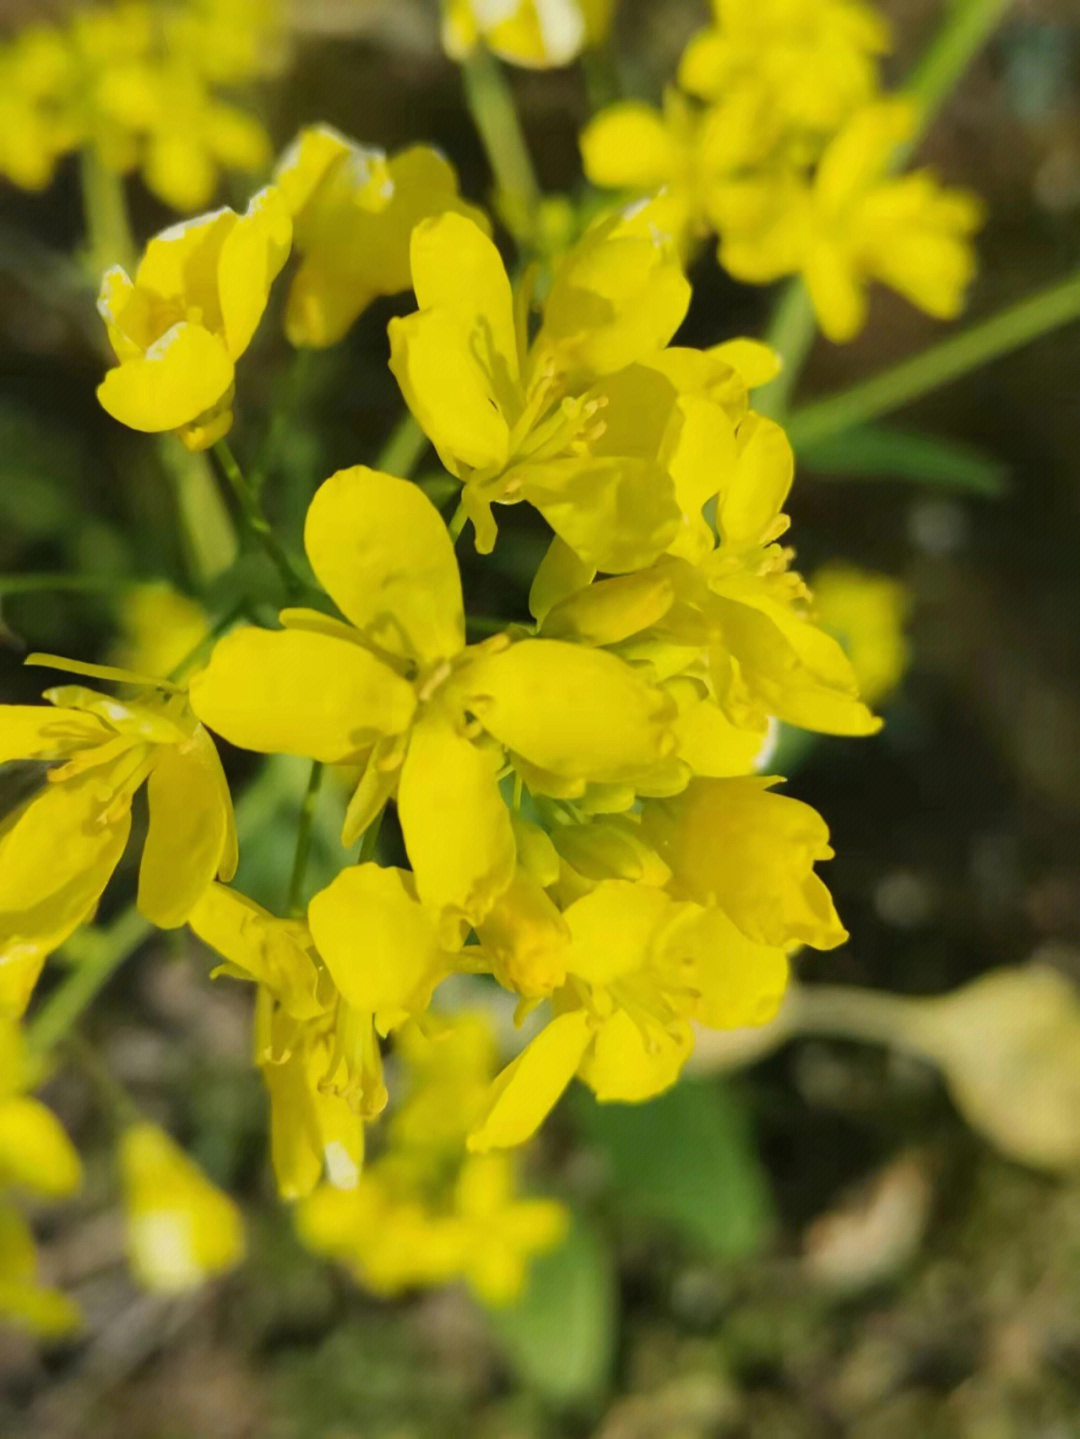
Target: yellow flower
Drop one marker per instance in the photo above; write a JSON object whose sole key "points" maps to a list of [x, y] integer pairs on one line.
{"points": [[35, 76], [159, 628], [36, 1155], [424, 1212], [58, 850], [571, 422], [733, 844], [866, 612], [397, 690], [692, 160], [181, 1229], [367, 959], [812, 61], [354, 211], [854, 223], [191, 311], [538, 34], [640, 967]]}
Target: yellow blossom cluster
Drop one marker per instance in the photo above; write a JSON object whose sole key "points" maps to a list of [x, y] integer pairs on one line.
{"points": [[779, 139], [585, 816], [138, 81]]}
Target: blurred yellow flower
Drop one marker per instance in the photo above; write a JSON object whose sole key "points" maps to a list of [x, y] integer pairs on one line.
{"points": [[159, 627], [538, 34], [854, 223], [181, 1229], [191, 311], [354, 210], [866, 612], [36, 1156]]}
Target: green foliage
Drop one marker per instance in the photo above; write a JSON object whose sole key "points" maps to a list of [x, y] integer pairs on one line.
{"points": [[686, 1161], [561, 1334], [878, 452]]}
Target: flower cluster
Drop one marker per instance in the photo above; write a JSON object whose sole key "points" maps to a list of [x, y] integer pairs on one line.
{"points": [[779, 139], [587, 822], [137, 82]]}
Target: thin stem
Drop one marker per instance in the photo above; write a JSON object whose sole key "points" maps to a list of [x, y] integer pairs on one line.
{"points": [[959, 40], [57, 584], [108, 231], [457, 522], [948, 360], [868, 1016], [199, 652], [370, 842], [791, 333], [256, 521], [404, 448], [122, 1107], [98, 954], [303, 840], [491, 105]]}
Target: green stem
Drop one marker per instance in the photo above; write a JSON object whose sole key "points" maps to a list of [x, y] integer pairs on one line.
{"points": [[121, 1106], [255, 520], [97, 955], [199, 652], [108, 231], [791, 333], [965, 32], [491, 104], [457, 522], [404, 448], [911, 379], [303, 840], [57, 584], [867, 1016]]}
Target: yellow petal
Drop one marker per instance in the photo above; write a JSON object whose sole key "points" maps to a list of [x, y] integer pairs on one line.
{"points": [[184, 374], [382, 552], [731, 843], [259, 946], [528, 1089], [378, 942], [252, 254], [570, 710], [455, 822], [741, 982], [187, 838], [35, 1151], [457, 269], [296, 692], [561, 573], [611, 610], [628, 146], [625, 1066], [616, 513], [451, 388], [181, 1229], [44, 732]]}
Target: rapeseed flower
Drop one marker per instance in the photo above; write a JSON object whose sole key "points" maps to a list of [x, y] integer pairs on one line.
{"points": [[181, 1229], [367, 958], [425, 1211], [866, 612], [192, 309], [570, 422], [640, 966], [59, 848], [36, 1156], [354, 210], [397, 690], [853, 223], [538, 34]]}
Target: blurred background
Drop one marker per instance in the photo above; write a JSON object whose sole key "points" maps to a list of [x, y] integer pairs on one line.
{"points": [[828, 1238]]}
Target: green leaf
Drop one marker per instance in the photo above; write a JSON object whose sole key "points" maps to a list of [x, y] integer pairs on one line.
{"points": [[877, 452], [686, 1160], [561, 1334]]}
